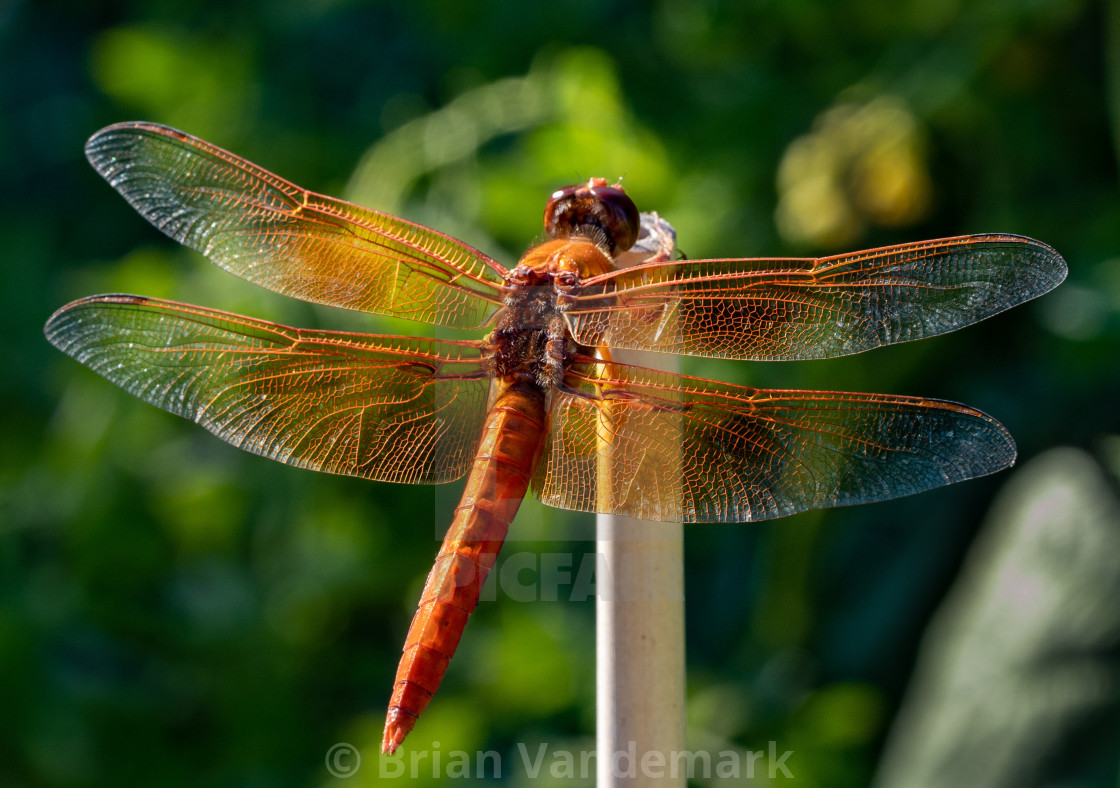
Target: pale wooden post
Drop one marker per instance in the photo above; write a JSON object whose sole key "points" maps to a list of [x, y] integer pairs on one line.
{"points": [[640, 665], [640, 670]]}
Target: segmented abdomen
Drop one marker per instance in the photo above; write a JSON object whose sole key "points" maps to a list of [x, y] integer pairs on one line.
{"points": [[496, 485]]}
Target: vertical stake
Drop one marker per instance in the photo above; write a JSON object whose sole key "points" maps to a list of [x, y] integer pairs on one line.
{"points": [[639, 641]]}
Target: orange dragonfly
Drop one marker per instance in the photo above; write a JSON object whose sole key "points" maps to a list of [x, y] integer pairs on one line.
{"points": [[534, 403]]}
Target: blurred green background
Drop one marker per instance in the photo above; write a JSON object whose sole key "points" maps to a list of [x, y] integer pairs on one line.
{"points": [[175, 612]]}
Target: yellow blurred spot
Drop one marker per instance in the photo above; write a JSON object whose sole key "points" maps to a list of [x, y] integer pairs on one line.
{"points": [[861, 165]]}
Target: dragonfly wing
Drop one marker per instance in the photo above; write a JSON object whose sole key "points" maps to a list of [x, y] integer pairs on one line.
{"points": [[384, 408], [788, 309], [657, 446], [277, 235]]}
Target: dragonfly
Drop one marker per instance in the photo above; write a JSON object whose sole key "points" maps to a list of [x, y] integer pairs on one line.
{"points": [[540, 403]]}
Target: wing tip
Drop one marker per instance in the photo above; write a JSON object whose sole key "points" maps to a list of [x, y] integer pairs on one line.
{"points": [[1047, 264], [55, 329], [996, 452], [109, 146]]}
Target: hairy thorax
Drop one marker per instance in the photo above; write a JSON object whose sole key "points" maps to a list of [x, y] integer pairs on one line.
{"points": [[530, 341]]}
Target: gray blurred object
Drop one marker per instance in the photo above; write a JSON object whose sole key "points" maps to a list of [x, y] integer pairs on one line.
{"points": [[1017, 678]]}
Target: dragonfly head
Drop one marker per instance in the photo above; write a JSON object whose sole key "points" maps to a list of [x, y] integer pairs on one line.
{"points": [[606, 214]]}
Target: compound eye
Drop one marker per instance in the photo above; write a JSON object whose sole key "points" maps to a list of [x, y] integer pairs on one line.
{"points": [[620, 216], [593, 209], [559, 208]]}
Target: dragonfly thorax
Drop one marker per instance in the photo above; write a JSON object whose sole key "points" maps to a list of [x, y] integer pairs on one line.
{"points": [[530, 340], [561, 264]]}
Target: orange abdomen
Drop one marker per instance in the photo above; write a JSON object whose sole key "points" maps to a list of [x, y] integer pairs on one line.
{"points": [[495, 488]]}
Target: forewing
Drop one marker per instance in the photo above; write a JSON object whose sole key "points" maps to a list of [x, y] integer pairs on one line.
{"points": [[277, 235], [656, 446], [787, 309], [384, 408]]}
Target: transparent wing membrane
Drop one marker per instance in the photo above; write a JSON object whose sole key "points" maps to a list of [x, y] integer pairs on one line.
{"points": [[657, 446], [788, 309], [384, 408], [273, 233]]}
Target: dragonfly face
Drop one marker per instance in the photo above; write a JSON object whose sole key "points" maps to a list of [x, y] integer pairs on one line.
{"points": [[539, 403], [595, 210]]}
